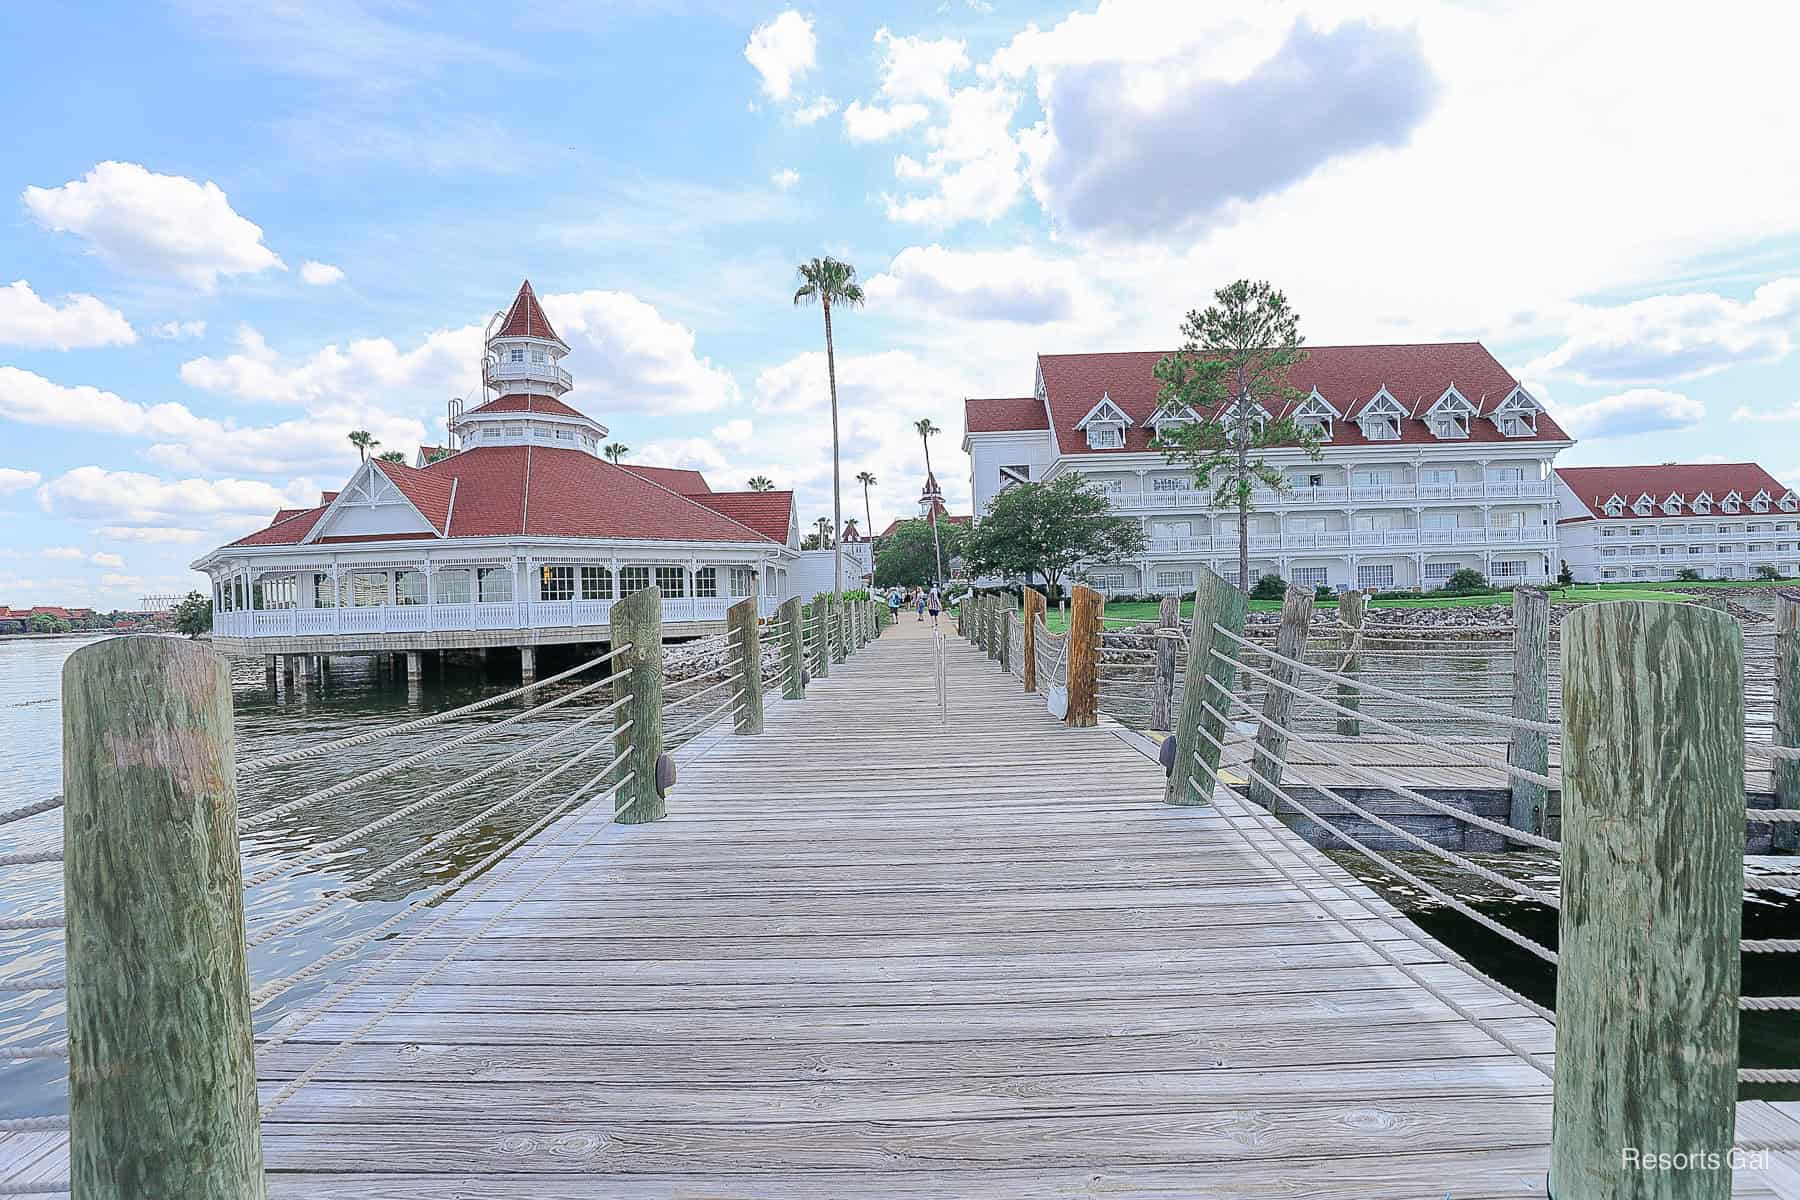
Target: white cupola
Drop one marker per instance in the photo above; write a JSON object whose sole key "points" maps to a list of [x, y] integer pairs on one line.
{"points": [[524, 385]]}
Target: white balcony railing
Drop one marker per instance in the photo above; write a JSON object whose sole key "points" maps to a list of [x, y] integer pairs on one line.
{"points": [[529, 372], [1360, 539], [1302, 497], [432, 618]]}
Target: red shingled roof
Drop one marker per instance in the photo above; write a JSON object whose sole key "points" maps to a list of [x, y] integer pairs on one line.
{"points": [[1594, 486], [429, 493], [769, 513], [1347, 376], [526, 318], [676, 479], [527, 402], [289, 531], [1004, 415]]}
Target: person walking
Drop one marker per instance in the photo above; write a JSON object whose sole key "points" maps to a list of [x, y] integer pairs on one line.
{"points": [[919, 595], [894, 603], [934, 602]]}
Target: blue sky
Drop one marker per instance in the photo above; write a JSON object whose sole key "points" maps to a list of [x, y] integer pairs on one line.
{"points": [[231, 233]]}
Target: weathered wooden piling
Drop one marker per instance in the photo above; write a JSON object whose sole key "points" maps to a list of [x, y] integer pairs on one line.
{"points": [[1352, 610], [794, 625], [162, 1074], [1278, 702], [1084, 658], [1034, 615], [1652, 897], [1530, 748], [1786, 734], [637, 619], [1162, 696], [1003, 633], [1211, 673], [822, 635], [744, 634]]}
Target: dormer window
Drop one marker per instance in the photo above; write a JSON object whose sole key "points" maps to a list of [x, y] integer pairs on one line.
{"points": [[1760, 502], [1314, 415], [1105, 435], [1516, 416], [1789, 502], [1615, 507], [1732, 503], [1380, 418], [1105, 425], [1449, 416], [1702, 503], [1643, 506], [1450, 425], [1172, 417], [1233, 415], [1672, 504]]}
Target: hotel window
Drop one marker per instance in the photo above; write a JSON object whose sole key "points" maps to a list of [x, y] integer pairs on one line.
{"points": [[325, 591], [410, 588], [1306, 525], [1439, 475], [1518, 425], [556, 583], [1506, 474], [632, 580], [1381, 429], [368, 589], [1105, 436], [1510, 568], [1451, 425], [565, 435], [706, 583], [1171, 529], [1377, 576], [672, 581], [494, 585], [1111, 487], [743, 581], [1437, 520], [1109, 581], [1171, 483], [1301, 479], [540, 356], [1372, 478], [1609, 553], [452, 587], [518, 356], [1311, 577], [596, 583], [1169, 581]]}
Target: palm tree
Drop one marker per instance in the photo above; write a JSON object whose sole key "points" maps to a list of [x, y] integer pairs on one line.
{"points": [[761, 483], [826, 541], [398, 456], [364, 441], [867, 479], [927, 431], [829, 282], [615, 451]]}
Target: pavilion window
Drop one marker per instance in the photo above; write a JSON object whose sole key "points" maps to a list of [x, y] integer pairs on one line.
{"points": [[706, 583], [518, 356], [324, 590], [452, 587], [410, 588], [743, 581], [494, 585], [672, 581], [556, 583], [633, 579], [368, 589], [596, 583], [238, 598]]}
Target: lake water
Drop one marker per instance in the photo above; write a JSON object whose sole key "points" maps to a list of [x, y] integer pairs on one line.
{"points": [[357, 699]]}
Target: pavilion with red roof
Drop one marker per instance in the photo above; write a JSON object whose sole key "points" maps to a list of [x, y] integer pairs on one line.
{"points": [[517, 533]]}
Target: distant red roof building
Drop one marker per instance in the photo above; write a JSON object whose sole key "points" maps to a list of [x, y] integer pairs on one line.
{"points": [[1595, 486]]}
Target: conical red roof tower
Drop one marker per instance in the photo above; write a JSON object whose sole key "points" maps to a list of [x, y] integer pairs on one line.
{"points": [[526, 318]]}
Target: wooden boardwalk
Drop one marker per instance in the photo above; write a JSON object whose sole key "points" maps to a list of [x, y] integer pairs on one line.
{"points": [[869, 955]]}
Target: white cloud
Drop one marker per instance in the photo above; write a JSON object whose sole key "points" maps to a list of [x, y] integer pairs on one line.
{"points": [[104, 559], [150, 535], [69, 553], [14, 479], [179, 331], [130, 497], [1762, 416], [164, 225], [696, 454], [813, 111], [974, 169], [782, 51], [365, 369], [914, 68], [82, 321], [873, 123], [1673, 337], [114, 580], [1639, 410], [628, 356], [785, 178], [736, 432], [183, 440], [1003, 285], [320, 274]]}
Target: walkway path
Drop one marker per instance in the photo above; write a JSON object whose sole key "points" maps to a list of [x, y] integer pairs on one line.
{"points": [[869, 955]]}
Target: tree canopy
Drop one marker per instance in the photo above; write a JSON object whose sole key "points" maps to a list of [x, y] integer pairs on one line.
{"points": [[194, 615], [1050, 530], [1224, 392], [907, 556]]}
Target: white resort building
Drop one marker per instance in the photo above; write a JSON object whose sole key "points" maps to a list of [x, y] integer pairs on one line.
{"points": [[1720, 520], [518, 533], [1435, 458]]}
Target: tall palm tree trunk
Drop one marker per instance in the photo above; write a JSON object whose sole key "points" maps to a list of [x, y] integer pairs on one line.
{"points": [[837, 500], [869, 529]]}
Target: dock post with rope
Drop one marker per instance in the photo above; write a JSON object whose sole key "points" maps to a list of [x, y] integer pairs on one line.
{"points": [[162, 1074], [1785, 739], [637, 621], [1528, 747], [1162, 695], [1648, 984], [1278, 705], [1352, 612], [1084, 658], [1199, 732], [1034, 615], [743, 640], [793, 648]]}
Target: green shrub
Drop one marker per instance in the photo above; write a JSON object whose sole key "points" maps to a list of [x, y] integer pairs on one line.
{"points": [[1269, 587], [1765, 571], [1687, 575], [1465, 581], [1324, 592]]}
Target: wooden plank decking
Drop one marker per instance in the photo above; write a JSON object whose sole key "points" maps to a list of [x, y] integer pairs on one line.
{"points": [[871, 956]]}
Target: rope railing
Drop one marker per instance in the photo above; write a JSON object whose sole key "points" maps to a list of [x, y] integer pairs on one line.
{"points": [[48, 804]]}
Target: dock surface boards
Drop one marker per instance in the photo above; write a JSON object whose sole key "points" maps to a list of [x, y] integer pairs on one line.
{"points": [[871, 955]]}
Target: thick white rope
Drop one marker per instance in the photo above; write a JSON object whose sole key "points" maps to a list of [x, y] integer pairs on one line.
{"points": [[397, 765], [373, 735], [1440, 706]]}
